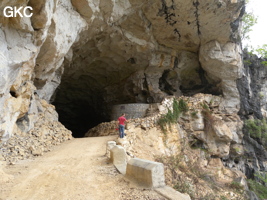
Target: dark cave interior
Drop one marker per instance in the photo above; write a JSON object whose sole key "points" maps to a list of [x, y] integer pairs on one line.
{"points": [[79, 116], [81, 108]]}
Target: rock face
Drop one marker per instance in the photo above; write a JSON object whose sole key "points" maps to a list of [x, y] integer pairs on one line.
{"points": [[197, 146], [252, 87], [142, 51], [85, 56]]}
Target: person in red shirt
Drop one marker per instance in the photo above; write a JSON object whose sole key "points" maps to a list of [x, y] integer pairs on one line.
{"points": [[122, 120]]}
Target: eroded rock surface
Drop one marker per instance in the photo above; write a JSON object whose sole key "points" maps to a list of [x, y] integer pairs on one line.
{"points": [[193, 150], [85, 56], [88, 55]]}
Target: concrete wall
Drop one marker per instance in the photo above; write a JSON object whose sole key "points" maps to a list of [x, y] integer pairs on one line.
{"points": [[132, 111]]}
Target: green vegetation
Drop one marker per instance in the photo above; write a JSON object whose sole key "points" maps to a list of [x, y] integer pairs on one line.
{"points": [[248, 62], [261, 52], [194, 114], [259, 188], [205, 107], [223, 198], [182, 106], [237, 186], [257, 129], [172, 116], [248, 21], [262, 177], [261, 95]]}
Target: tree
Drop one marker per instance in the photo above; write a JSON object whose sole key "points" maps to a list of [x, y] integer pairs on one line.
{"points": [[248, 21], [262, 51]]}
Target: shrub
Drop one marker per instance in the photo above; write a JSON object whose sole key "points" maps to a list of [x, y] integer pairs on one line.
{"points": [[182, 106], [166, 119], [223, 198], [172, 116], [183, 187], [257, 129], [254, 128], [259, 189], [237, 186], [205, 107], [259, 186], [194, 114]]}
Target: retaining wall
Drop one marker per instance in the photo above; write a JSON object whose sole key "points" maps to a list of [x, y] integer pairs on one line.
{"points": [[132, 111]]}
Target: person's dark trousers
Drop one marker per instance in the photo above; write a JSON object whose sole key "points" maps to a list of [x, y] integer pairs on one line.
{"points": [[121, 129]]}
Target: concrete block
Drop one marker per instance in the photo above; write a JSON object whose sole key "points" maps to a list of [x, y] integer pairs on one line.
{"points": [[145, 172], [118, 158], [172, 194], [110, 145]]}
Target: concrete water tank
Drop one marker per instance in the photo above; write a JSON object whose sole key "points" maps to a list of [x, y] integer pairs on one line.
{"points": [[132, 110]]}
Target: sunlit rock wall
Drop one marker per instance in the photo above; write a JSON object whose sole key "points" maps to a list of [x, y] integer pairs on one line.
{"points": [[107, 52]]}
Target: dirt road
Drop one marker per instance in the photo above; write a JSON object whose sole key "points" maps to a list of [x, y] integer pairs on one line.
{"points": [[74, 170]]}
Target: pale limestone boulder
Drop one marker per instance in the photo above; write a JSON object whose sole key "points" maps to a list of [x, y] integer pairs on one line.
{"points": [[226, 55], [216, 138], [222, 131], [153, 142], [223, 63], [236, 129]]}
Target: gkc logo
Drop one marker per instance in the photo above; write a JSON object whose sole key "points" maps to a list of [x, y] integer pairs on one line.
{"points": [[14, 11]]}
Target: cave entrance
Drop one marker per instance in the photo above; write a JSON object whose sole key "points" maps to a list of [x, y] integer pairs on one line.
{"points": [[78, 114], [84, 98], [89, 86], [95, 78], [79, 103], [106, 71]]}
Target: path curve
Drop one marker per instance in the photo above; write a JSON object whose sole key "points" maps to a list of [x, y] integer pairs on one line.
{"points": [[75, 170]]}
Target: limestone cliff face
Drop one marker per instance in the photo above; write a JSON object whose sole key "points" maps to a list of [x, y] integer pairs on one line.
{"points": [[252, 87], [85, 55]]}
